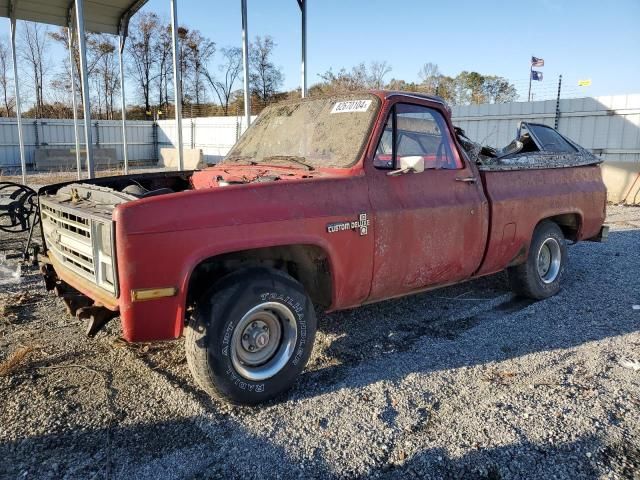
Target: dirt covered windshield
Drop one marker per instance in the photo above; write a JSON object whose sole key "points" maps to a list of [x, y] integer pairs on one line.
{"points": [[316, 133]]}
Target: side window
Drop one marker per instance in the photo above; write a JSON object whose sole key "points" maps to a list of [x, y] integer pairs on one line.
{"points": [[420, 131], [384, 152]]}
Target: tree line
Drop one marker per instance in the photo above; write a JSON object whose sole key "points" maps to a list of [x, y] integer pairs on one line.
{"points": [[211, 76], [463, 89]]}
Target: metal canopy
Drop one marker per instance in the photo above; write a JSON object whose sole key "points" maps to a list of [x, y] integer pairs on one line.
{"points": [[112, 17], [100, 16], [97, 16]]}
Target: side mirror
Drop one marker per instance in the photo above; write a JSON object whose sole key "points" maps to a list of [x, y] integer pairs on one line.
{"points": [[413, 164]]}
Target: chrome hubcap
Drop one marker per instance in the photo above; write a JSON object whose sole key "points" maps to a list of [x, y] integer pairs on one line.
{"points": [[549, 260], [263, 341]]}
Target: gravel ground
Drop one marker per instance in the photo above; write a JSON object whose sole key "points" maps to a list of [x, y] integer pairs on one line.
{"points": [[463, 382]]}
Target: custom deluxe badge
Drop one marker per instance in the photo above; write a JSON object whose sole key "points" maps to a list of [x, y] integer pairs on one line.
{"points": [[362, 225]]}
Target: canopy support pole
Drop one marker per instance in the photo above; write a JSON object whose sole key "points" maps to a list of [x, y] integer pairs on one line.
{"points": [[176, 81], [123, 33], [79, 7], [74, 104], [245, 64], [16, 82], [303, 67], [123, 105]]}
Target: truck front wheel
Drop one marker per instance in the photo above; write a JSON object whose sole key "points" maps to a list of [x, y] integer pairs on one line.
{"points": [[251, 335], [540, 276]]}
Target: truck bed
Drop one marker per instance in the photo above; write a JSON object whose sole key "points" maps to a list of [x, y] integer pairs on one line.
{"points": [[519, 198]]}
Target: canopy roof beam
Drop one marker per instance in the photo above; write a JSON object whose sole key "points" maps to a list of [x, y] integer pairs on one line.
{"points": [[101, 16]]}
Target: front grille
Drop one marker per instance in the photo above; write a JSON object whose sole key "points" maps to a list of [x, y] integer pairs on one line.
{"points": [[80, 244]]}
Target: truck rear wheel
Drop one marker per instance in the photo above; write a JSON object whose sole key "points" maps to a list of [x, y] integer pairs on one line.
{"points": [[251, 336], [540, 276]]}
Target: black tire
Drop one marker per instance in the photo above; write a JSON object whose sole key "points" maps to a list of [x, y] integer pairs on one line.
{"points": [[528, 279], [215, 345]]}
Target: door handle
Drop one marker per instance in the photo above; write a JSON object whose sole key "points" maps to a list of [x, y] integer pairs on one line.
{"points": [[466, 179]]}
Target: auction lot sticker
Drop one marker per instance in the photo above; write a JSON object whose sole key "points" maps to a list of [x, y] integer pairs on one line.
{"points": [[351, 106]]}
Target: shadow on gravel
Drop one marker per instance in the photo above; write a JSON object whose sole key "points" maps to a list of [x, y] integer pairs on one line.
{"points": [[179, 449], [521, 460], [447, 322]]}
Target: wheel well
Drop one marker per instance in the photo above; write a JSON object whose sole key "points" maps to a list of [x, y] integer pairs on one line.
{"points": [[308, 264], [569, 223]]}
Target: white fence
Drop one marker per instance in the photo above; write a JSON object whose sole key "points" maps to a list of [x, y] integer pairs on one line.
{"points": [[608, 126], [54, 133], [214, 135]]}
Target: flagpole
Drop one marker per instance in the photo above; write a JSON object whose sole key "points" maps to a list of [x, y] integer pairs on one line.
{"points": [[530, 73]]}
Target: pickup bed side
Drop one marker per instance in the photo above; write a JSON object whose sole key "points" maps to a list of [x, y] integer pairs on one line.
{"points": [[575, 198]]}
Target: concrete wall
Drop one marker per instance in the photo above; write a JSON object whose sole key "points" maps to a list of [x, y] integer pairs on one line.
{"points": [[623, 182], [192, 158], [213, 135]]}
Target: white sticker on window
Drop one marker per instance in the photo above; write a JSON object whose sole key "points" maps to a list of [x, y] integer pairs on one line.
{"points": [[351, 106]]}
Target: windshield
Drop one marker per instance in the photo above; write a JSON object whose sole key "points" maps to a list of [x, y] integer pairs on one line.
{"points": [[318, 133]]}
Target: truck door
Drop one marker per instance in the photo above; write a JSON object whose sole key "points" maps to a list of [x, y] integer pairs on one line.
{"points": [[430, 227]]}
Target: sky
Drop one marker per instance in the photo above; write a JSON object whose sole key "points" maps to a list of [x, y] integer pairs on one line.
{"points": [[586, 39]]}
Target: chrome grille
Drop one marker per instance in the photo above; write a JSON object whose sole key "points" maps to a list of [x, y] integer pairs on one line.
{"points": [[81, 244]]}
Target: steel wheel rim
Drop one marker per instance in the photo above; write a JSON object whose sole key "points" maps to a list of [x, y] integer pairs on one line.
{"points": [[271, 329], [549, 260]]}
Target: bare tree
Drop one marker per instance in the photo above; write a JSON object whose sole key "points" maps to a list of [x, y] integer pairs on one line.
{"points": [[144, 53], [430, 78], [106, 74], [377, 72], [265, 77], [8, 100], [165, 68], [183, 60], [230, 69], [344, 81], [33, 51], [200, 49], [96, 49]]}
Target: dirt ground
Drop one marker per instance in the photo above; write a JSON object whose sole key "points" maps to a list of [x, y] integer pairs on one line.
{"points": [[463, 382]]}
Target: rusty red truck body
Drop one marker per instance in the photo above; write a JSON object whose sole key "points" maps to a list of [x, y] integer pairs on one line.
{"points": [[323, 203]]}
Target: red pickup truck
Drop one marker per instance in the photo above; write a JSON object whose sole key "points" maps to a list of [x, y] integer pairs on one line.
{"points": [[328, 202]]}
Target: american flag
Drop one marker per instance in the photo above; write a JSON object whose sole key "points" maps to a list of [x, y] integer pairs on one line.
{"points": [[537, 62], [536, 75]]}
